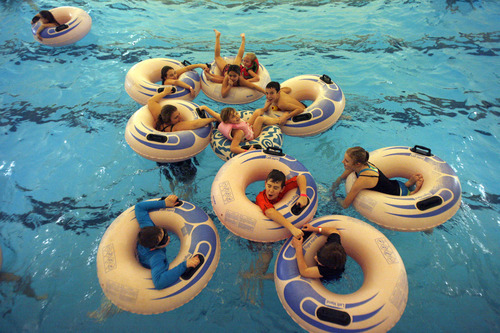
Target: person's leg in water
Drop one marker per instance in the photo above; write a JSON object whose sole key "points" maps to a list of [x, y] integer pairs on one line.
{"points": [[22, 285], [106, 310], [252, 279]]}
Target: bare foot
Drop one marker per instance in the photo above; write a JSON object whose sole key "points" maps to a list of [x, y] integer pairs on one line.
{"points": [[217, 33], [419, 180], [242, 36]]}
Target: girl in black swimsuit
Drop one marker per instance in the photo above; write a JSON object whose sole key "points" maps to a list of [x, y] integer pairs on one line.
{"points": [[371, 178]]}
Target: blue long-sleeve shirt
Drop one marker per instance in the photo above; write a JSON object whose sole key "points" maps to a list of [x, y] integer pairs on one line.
{"points": [[156, 259]]}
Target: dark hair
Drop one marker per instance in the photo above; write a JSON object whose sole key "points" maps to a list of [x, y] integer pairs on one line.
{"points": [[358, 154], [332, 255], [277, 176], [234, 68], [148, 236], [165, 115], [274, 85], [46, 15], [226, 113], [164, 72]]}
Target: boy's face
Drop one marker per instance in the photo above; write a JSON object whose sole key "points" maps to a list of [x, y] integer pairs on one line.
{"points": [[271, 95], [273, 189]]}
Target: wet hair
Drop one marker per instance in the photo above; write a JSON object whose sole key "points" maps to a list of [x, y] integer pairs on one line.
{"points": [[165, 115], [148, 236], [164, 72], [358, 154], [46, 15], [332, 255], [277, 176], [226, 113], [274, 85], [234, 68]]}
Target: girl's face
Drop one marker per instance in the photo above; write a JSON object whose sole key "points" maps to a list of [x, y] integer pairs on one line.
{"points": [[348, 162], [175, 118], [234, 118], [233, 76], [247, 62], [171, 74]]}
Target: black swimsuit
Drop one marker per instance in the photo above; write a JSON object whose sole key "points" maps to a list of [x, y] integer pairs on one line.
{"points": [[166, 126], [384, 184]]}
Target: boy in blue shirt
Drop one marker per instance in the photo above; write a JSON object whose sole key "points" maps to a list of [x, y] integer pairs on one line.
{"points": [[152, 241]]}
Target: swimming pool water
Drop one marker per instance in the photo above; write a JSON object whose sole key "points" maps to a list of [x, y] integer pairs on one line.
{"points": [[413, 72]]}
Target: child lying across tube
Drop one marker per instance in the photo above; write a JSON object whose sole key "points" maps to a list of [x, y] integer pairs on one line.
{"points": [[236, 129], [237, 73], [169, 119], [276, 186], [371, 178], [330, 258]]}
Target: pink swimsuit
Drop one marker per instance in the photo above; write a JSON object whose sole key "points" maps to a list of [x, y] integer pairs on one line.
{"points": [[226, 129]]}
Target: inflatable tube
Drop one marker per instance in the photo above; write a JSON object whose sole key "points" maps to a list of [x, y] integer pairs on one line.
{"points": [[140, 82], [75, 24], [167, 146], [129, 285], [436, 202], [328, 104], [376, 307], [242, 216], [237, 95], [269, 137]]}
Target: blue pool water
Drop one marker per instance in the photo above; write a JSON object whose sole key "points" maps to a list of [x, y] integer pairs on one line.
{"points": [[413, 72]]}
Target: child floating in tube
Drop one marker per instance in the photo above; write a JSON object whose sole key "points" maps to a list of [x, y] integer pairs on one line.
{"points": [[169, 119], [170, 76], [47, 20], [278, 99], [237, 73], [236, 129], [369, 177], [330, 258], [151, 244], [276, 186]]}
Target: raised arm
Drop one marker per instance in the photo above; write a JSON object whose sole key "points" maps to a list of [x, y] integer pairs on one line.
{"points": [[154, 102]]}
